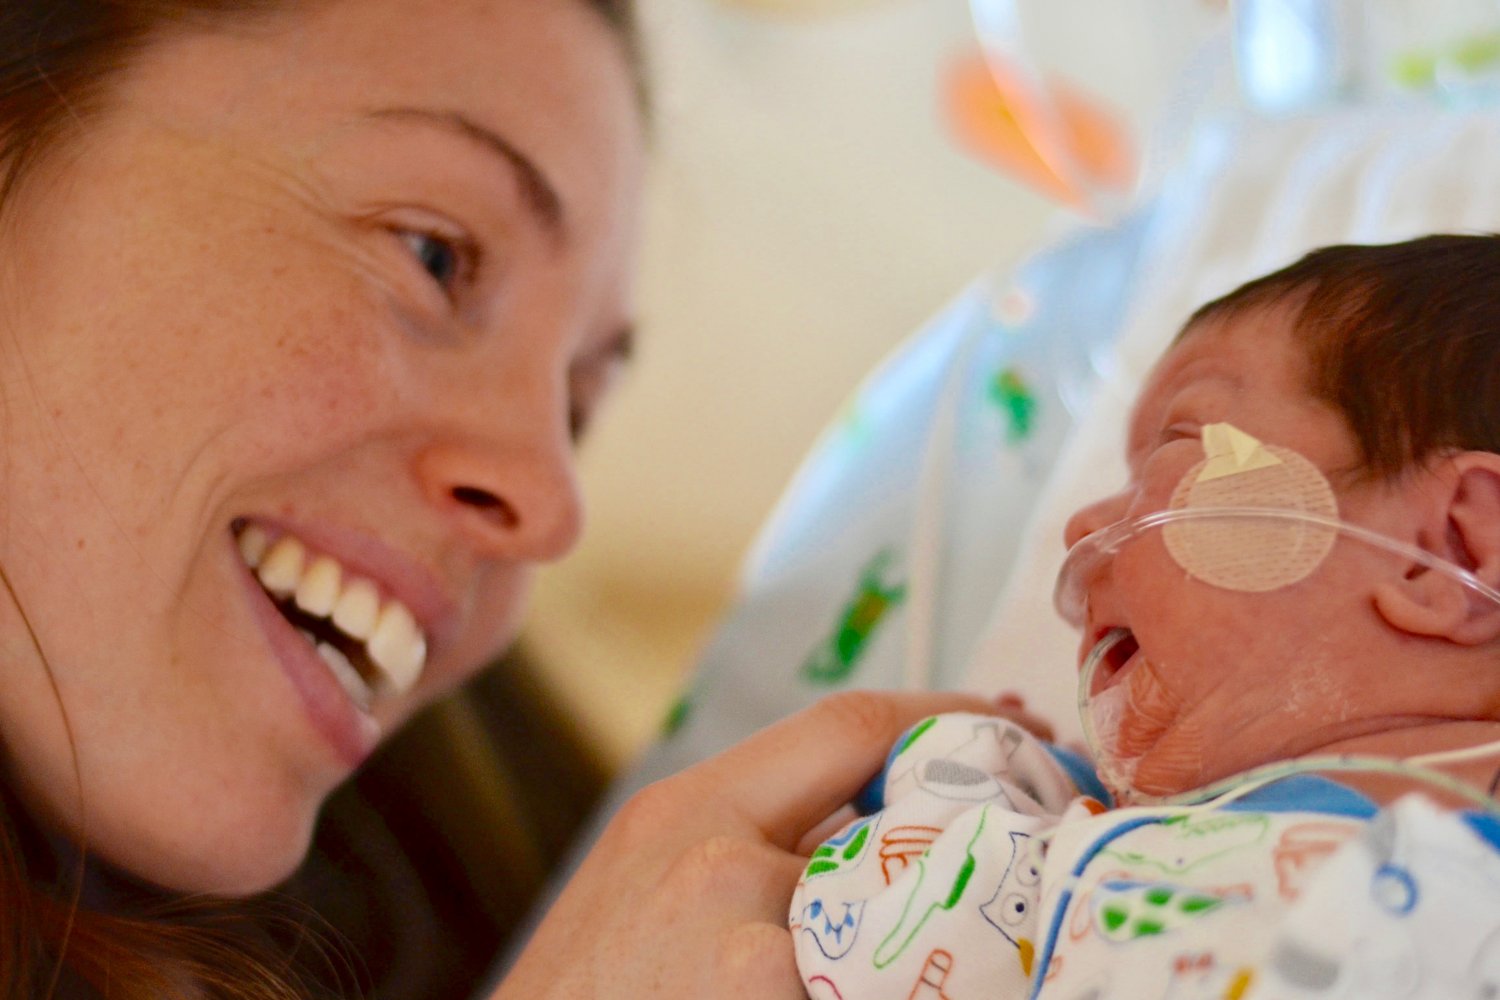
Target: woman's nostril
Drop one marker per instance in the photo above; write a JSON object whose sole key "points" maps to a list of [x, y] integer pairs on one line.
{"points": [[491, 506]]}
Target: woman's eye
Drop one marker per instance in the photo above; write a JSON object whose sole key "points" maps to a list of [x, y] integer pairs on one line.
{"points": [[444, 260]]}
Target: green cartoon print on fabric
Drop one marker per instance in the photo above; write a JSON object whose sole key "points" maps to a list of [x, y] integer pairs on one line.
{"points": [[677, 717], [840, 852], [1127, 911], [1197, 842], [1012, 395], [836, 658], [928, 896]]}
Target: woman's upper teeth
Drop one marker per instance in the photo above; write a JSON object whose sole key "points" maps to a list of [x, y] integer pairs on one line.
{"points": [[322, 588]]}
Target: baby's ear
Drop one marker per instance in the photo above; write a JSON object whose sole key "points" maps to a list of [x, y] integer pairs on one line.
{"points": [[1462, 525]]}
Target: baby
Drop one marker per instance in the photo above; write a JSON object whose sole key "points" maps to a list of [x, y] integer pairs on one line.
{"points": [[1299, 576]]}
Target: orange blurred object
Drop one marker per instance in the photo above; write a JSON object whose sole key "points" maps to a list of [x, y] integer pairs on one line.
{"points": [[1050, 137]]}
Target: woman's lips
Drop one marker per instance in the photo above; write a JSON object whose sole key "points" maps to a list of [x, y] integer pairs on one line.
{"points": [[351, 733]]}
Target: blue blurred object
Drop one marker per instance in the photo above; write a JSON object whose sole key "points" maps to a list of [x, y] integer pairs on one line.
{"points": [[1296, 55]]}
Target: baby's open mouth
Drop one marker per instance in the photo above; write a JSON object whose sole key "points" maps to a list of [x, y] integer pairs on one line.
{"points": [[372, 645], [1114, 647]]}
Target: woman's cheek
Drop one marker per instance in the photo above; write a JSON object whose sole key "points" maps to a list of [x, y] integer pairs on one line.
{"points": [[492, 622], [323, 381]]}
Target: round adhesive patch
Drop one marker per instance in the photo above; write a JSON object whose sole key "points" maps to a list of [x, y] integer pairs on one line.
{"points": [[1253, 554]]}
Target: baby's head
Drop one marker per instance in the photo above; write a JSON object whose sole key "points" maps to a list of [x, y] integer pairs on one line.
{"points": [[1361, 383]]}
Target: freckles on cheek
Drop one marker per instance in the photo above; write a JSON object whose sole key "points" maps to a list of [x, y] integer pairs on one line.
{"points": [[317, 386]]}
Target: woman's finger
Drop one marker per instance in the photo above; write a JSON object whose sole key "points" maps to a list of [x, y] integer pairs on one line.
{"points": [[742, 880], [759, 961], [788, 778], [841, 818], [706, 920]]}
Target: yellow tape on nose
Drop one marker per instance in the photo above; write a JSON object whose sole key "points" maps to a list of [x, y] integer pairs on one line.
{"points": [[1243, 553]]}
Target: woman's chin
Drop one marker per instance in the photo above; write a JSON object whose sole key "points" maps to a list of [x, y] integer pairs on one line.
{"points": [[230, 882], [244, 861]]}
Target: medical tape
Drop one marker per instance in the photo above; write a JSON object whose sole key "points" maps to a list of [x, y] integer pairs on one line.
{"points": [[1250, 554]]}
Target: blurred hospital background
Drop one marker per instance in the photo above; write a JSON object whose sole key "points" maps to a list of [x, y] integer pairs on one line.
{"points": [[813, 202], [809, 208]]}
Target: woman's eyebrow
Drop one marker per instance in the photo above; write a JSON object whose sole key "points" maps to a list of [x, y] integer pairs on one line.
{"points": [[541, 197]]}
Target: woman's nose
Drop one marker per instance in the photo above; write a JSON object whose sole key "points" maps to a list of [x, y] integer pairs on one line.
{"points": [[510, 499], [1099, 514]]}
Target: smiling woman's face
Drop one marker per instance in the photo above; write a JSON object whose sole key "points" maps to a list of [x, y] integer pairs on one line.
{"points": [[341, 282]]}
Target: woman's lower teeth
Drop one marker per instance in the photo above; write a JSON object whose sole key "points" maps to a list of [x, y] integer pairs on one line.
{"points": [[354, 685]]}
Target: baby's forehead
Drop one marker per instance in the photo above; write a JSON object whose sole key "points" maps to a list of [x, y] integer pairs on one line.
{"points": [[1198, 361], [1250, 348], [1261, 343]]}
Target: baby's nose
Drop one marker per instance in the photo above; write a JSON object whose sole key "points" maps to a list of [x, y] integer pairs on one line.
{"points": [[1099, 514]]}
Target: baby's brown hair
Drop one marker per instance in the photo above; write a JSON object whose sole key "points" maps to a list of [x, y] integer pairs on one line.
{"points": [[1403, 338]]}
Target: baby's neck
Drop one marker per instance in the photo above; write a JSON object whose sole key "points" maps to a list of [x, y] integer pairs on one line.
{"points": [[1417, 740]]}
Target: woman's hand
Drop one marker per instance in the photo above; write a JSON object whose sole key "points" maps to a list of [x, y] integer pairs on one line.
{"points": [[686, 894]]}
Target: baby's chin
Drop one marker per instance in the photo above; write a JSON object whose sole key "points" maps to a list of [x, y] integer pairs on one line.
{"points": [[1195, 754], [1160, 780], [1174, 762], [1172, 739]]}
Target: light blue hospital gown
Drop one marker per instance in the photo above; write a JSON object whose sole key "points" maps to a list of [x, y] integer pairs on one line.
{"points": [[987, 874]]}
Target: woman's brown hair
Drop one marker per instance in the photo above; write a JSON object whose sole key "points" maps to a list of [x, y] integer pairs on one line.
{"points": [[58, 59]]}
